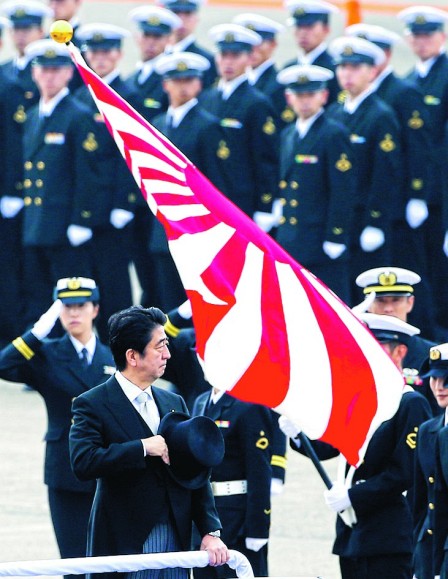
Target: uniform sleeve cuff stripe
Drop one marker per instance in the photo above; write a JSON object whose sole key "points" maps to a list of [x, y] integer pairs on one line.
{"points": [[23, 348], [280, 461], [171, 329]]}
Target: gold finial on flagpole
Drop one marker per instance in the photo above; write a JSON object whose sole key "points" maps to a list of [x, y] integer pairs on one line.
{"points": [[61, 31]]}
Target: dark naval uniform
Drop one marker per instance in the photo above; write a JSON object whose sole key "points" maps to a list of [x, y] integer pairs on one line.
{"points": [[317, 190], [246, 429], [151, 99], [59, 190], [23, 78], [374, 134], [267, 84], [442, 536], [12, 117], [53, 368], [380, 543], [434, 87], [249, 150], [430, 502], [198, 136], [115, 189]]}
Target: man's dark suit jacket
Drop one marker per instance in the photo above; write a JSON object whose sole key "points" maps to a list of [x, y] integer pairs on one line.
{"points": [[133, 492]]}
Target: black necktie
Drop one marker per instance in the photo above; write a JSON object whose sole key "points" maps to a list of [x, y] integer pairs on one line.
{"points": [[84, 359]]}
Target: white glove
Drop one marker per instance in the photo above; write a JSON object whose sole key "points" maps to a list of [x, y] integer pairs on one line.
{"points": [[337, 498], [333, 250], [264, 220], [77, 235], [277, 486], [119, 218], [365, 304], [277, 210], [416, 212], [10, 206], [445, 244], [46, 322], [255, 544], [288, 427], [185, 311], [371, 238]]}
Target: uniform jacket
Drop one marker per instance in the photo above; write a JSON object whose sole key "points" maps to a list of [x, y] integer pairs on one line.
{"points": [[246, 429], [434, 87], [442, 535], [249, 150], [374, 134], [267, 84], [384, 516], [151, 98], [198, 137], [24, 79], [115, 185], [407, 102], [133, 492], [317, 190], [60, 173], [52, 367], [430, 499]]}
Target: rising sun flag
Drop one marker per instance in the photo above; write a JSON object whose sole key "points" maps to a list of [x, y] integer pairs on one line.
{"points": [[267, 330]]}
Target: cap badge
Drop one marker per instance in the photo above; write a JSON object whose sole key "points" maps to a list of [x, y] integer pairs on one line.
{"points": [[97, 37], [19, 13], [434, 354], [250, 26], [387, 279], [73, 284], [302, 79], [348, 51], [154, 20], [182, 66], [420, 19], [299, 12], [229, 37], [50, 53]]}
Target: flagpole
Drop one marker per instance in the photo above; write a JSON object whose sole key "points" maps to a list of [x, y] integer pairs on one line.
{"points": [[311, 454]]}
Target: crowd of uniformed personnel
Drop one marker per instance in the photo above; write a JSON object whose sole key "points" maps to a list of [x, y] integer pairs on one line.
{"points": [[335, 155]]}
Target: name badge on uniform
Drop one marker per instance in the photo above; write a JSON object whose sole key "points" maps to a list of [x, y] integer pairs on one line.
{"points": [[357, 139], [110, 370], [306, 159], [54, 139], [152, 104], [222, 423], [431, 100], [231, 124]]}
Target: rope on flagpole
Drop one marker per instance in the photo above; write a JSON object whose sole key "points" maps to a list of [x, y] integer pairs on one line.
{"points": [[122, 563]]}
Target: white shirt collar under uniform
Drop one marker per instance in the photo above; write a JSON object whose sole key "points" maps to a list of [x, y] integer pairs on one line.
{"points": [[229, 87], [351, 105], [311, 56], [304, 126], [46, 109], [179, 113], [90, 347], [253, 74]]}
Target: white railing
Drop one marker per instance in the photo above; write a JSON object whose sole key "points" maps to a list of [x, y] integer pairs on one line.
{"points": [[122, 563]]}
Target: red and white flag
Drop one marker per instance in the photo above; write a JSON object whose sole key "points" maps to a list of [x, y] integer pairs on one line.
{"points": [[267, 330]]}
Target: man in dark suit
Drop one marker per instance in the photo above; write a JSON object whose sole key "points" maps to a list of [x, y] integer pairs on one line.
{"points": [[197, 134], [184, 39], [241, 484], [138, 507], [431, 480], [26, 20], [311, 22], [262, 73], [427, 39], [317, 183], [249, 150], [60, 147], [377, 540], [116, 189], [377, 162], [59, 370]]}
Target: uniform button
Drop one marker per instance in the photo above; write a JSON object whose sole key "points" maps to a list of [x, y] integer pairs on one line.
{"points": [[429, 531], [39, 183], [40, 165], [431, 506], [293, 221], [431, 480], [27, 183], [283, 184], [293, 202], [282, 201], [28, 165], [27, 200], [38, 201], [132, 198], [282, 220], [294, 185]]}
